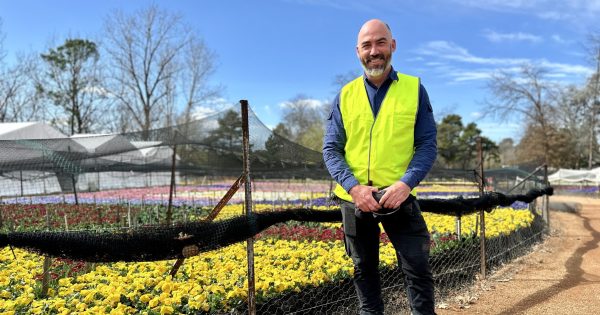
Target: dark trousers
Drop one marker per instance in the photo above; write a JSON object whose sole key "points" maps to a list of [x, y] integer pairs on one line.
{"points": [[408, 233]]}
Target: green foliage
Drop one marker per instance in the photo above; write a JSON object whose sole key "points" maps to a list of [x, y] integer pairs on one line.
{"points": [[448, 139], [69, 77], [457, 144], [228, 135], [275, 145]]}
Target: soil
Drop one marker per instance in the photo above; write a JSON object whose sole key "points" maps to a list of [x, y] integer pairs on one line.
{"points": [[560, 276]]}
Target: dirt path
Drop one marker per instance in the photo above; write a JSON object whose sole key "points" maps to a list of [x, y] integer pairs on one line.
{"points": [[562, 276]]}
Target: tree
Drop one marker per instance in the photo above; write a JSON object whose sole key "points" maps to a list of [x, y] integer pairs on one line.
{"points": [[574, 107], [507, 152], [282, 130], [277, 146], [198, 61], [457, 144], [448, 136], [151, 51], [72, 81], [19, 99], [305, 119], [342, 79], [593, 88], [228, 135], [527, 97], [531, 151]]}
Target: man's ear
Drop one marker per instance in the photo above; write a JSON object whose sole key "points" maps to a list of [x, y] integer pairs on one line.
{"points": [[393, 45]]}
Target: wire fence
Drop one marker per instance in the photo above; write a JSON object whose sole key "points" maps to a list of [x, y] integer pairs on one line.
{"points": [[179, 175]]}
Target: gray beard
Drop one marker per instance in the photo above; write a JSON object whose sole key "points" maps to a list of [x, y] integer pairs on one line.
{"points": [[376, 72]]}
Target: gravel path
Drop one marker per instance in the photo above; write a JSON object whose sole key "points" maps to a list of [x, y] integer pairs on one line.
{"points": [[561, 276]]}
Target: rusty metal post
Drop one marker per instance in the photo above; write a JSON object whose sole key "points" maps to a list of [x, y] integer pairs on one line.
{"points": [[47, 263], [212, 215], [73, 179], [481, 212], [546, 199], [248, 206], [458, 227], [172, 186]]}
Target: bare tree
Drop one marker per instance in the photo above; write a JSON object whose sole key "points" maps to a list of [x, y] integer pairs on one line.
{"points": [[574, 107], [144, 50], [305, 119], [18, 97], [342, 79], [593, 48], [199, 65], [20, 100], [161, 68], [529, 97]]}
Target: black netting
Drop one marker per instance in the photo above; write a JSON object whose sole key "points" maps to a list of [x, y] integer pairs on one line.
{"points": [[185, 240], [150, 196]]}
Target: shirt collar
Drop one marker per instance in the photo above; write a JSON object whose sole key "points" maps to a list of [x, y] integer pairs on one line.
{"points": [[393, 75]]}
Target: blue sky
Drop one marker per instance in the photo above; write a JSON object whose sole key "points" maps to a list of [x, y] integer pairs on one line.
{"points": [[270, 51]]}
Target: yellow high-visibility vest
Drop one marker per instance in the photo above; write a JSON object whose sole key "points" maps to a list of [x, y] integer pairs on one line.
{"points": [[379, 149]]}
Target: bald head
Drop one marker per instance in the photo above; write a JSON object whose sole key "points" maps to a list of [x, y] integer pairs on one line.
{"points": [[374, 26], [374, 48]]}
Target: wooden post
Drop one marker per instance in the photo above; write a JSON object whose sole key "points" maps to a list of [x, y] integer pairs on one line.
{"points": [[248, 207], [546, 199], [481, 212], [47, 263], [172, 187]]}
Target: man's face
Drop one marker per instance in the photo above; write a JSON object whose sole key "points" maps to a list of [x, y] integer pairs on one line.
{"points": [[374, 48]]}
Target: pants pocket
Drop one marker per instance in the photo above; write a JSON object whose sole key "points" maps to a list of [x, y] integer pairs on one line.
{"points": [[348, 219]]}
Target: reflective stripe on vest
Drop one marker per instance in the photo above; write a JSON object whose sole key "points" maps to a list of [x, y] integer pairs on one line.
{"points": [[379, 148]]}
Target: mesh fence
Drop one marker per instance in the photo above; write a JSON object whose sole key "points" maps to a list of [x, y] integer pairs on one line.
{"points": [[115, 186]]}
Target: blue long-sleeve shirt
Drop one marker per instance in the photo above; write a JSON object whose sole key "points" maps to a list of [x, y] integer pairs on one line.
{"points": [[425, 137]]}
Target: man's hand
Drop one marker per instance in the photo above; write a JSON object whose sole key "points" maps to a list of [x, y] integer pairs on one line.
{"points": [[363, 198], [395, 195]]}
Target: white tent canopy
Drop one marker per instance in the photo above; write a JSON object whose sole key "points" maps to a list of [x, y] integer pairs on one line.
{"points": [[575, 176], [28, 130]]}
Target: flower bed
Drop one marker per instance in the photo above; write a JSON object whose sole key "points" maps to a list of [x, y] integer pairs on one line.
{"points": [[288, 258]]}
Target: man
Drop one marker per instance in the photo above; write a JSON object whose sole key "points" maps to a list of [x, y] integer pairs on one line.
{"points": [[381, 135]]}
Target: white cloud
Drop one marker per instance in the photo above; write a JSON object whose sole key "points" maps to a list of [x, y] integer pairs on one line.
{"points": [[496, 37], [463, 62], [558, 39], [476, 115], [500, 5], [344, 5], [577, 12], [555, 67], [414, 59], [212, 106], [307, 102], [201, 112], [461, 75], [435, 63], [451, 51]]}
